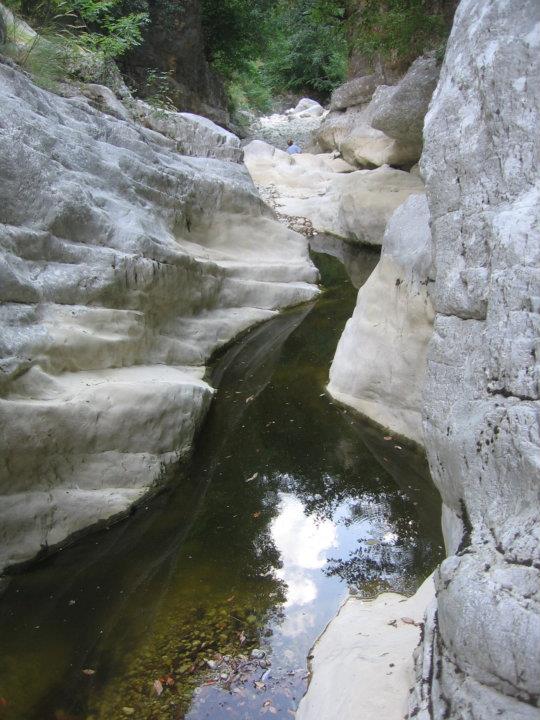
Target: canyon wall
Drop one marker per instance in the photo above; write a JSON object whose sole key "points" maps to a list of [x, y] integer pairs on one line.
{"points": [[123, 266], [480, 656], [174, 45]]}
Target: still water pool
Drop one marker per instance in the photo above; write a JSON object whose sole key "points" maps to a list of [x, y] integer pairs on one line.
{"points": [[206, 602]]}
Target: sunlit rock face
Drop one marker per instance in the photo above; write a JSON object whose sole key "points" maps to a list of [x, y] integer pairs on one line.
{"points": [[380, 361], [123, 266], [481, 653], [353, 205]]}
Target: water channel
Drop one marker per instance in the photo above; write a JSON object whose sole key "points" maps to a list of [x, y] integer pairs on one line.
{"points": [[205, 604]]}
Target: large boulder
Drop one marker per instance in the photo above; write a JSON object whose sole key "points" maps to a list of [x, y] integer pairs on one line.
{"points": [[481, 652], [399, 110], [380, 361], [357, 91], [352, 134], [123, 266], [306, 108], [374, 125], [193, 134]]}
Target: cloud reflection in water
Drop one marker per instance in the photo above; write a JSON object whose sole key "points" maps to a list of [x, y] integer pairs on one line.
{"points": [[302, 542]]}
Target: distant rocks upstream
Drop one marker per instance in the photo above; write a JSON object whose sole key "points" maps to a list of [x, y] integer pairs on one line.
{"points": [[372, 124], [336, 198]]}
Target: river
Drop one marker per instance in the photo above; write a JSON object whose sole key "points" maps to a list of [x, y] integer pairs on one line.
{"points": [[206, 602]]}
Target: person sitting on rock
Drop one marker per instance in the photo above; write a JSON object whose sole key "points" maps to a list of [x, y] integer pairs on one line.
{"points": [[293, 148]]}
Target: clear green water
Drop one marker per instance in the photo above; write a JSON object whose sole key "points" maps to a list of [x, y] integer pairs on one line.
{"points": [[287, 501]]}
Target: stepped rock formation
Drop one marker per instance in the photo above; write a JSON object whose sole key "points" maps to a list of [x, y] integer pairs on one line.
{"points": [[481, 653], [123, 266], [380, 361]]}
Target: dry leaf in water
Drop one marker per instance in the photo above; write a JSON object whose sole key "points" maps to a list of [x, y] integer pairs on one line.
{"points": [[158, 687]]}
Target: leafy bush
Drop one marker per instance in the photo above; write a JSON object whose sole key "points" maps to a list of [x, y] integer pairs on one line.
{"points": [[108, 27], [398, 30], [250, 89], [236, 32], [310, 52]]}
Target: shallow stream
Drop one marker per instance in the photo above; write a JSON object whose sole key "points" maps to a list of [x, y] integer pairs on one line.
{"points": [[205, 604]]}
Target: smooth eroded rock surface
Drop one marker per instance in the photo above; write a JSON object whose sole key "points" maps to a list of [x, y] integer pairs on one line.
{"points": [[481, 653], [352, 134], [324, 189], [357, 91], [362, 664], [380, 361], [123, 266], [399, 110]]}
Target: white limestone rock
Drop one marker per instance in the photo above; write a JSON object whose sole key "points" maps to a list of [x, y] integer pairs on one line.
{"points": [[194, 135], [357, 91], [306, 108], [299, 124], [103, 98], [374, 125], [399, 110], [352, 134], [380, 361], [352, 205], [481, 653], [362, 663], [123, 266]]}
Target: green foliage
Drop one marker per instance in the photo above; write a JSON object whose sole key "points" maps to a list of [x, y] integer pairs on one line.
{"points": [[266, 47], [310, 52], [107, 27], [250, 89], [156, 91], [398, 30], [236, 32]]}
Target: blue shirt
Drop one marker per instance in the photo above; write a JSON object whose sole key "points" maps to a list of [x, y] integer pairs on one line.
{"points": [[294, 149]]}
